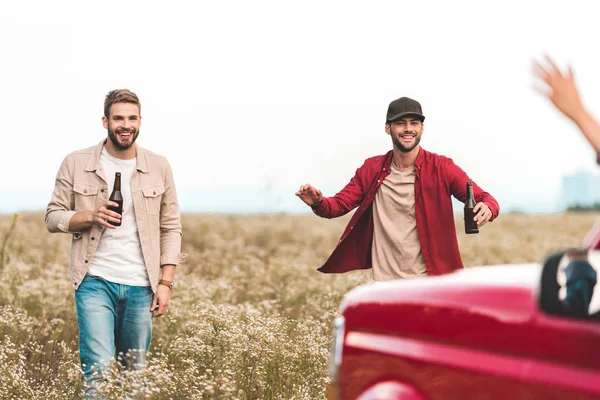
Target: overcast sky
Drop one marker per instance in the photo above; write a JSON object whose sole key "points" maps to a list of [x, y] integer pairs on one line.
{"points": [[249, 94]]}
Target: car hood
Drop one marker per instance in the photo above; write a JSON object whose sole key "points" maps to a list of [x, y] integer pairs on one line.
{"points": [[467, 306], [481, 285]]}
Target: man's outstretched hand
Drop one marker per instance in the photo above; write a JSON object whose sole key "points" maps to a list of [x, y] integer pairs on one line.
{"points": [[310, 195]]}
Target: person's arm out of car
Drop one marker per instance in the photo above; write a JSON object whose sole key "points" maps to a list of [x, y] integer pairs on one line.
{"points": [[562, 91]]}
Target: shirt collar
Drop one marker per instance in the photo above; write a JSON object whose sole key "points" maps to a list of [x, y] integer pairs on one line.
{"points": [[94, 163]]}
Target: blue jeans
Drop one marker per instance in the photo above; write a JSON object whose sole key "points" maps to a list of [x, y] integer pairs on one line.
{"points": [[113, 318]]}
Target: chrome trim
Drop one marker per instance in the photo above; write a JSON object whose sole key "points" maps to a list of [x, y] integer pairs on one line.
{"points": [[337, 346]]}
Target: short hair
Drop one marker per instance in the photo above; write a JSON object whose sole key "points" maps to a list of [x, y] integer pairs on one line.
{"points": [[120, 96]]}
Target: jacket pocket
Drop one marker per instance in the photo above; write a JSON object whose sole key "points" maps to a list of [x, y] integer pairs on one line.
{"points": [[85, 196], [153, 198]]}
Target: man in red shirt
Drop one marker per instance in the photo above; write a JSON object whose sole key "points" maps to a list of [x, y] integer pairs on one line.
{"points": [[404, 225]]}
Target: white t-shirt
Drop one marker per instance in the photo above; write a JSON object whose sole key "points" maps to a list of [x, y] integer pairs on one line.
{"points": [[119, 256]]}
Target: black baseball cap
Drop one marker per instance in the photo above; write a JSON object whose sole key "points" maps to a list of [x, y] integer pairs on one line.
{"points": [[404, 107]]}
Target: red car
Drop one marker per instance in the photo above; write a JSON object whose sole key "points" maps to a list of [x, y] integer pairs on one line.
{"points": [[495, 332]]}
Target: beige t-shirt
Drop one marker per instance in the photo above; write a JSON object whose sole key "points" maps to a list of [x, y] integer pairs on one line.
{"points": [[396, 251]]}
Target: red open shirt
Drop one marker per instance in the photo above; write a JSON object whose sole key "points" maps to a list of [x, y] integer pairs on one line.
{"points": [[436, 179]]}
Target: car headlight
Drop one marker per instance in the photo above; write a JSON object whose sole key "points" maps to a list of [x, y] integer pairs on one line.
{"points": [[335, 357]]}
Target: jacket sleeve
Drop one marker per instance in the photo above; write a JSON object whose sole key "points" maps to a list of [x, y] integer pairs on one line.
{"points": [[346, 199], [60, 209], [170, 224], [457, 180]]}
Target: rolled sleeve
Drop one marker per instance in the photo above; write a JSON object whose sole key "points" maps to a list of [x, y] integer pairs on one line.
{"points": [[65, 221], [177, 260]]}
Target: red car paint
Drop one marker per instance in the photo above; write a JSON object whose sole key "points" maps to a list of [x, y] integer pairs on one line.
{"points": [[474, 334]]}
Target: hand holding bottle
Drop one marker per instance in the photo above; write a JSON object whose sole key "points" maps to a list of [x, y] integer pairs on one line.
{"points": [[476, 214], [116, 198], [105, 216], [482, 213]]}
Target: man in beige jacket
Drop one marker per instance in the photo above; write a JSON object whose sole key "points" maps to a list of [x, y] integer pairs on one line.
{"points": [[122, 275]]}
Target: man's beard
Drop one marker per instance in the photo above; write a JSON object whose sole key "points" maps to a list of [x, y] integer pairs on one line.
{"points": [[115, 140], [400, 146]]}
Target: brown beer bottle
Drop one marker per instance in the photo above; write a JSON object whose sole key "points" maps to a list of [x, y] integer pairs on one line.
{"points": [[117, 197], [470, 224]]}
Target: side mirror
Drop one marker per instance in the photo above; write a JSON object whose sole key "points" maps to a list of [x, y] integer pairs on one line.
{"points": [[568, 284]]}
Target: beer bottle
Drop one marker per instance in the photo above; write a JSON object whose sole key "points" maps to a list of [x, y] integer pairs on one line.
{"points": [[117, 197], [470, 224]]}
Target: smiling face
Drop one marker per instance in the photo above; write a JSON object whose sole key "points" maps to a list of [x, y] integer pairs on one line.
{"points": [[405, 132], [123, 125]]}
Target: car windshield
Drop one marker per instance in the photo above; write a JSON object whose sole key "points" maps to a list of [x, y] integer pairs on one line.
{"points": [[577, 277]]}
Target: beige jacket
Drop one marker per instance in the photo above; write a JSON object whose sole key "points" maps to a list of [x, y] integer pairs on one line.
{"points": [[81, 185]]}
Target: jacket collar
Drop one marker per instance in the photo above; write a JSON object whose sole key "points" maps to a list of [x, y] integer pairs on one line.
{"points": [[94, 163], [387, 161], [141, 159], [420, 158]]}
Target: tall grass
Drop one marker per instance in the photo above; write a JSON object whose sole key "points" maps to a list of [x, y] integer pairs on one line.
{"points": [[249, 318]]}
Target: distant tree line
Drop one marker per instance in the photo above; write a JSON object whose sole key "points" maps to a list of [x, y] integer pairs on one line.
{"points": [[584, 208]]}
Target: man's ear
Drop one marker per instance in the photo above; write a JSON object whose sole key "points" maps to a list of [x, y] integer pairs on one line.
{"points": [[388, 128], [105, 122]]}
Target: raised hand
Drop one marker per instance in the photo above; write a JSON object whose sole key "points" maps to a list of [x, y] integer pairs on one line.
{"points": [[562, 92], [561, 89]]}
